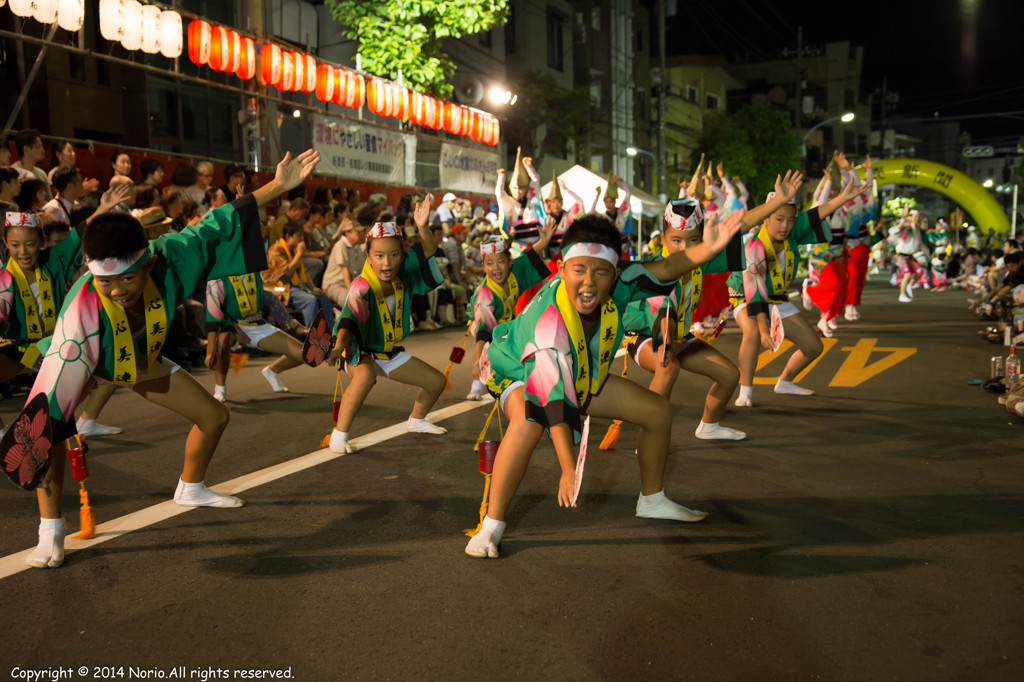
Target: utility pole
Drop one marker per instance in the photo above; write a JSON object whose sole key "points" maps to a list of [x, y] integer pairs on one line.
{"points": [[885, 105], [663, 84]]}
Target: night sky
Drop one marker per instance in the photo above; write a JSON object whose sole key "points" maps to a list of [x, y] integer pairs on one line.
{"points": [[954, 57]]}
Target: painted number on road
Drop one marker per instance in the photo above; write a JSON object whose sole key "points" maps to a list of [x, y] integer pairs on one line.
{"points": [[857, 368]]}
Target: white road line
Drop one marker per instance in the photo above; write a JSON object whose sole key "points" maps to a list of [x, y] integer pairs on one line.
{"points": [[15, 563]]}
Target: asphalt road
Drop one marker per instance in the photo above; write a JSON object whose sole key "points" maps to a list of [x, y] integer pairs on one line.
{"points": [[869, 532]]}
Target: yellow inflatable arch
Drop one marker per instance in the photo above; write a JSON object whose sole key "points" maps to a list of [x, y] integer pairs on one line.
{"points": [[971, 196]]}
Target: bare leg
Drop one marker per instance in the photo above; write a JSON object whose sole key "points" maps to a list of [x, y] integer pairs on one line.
{"points": [[225, 340], [364, 376], [700, 358], [181, 393], [807, 342], [513, 455], [748, 346], [287, 346], [415, 372]]}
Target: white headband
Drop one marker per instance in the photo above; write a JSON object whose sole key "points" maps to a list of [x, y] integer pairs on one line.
{"points": [[494, 246], [591, 250], [677, 221], [109, 267], [380, 230], [15, 219]]}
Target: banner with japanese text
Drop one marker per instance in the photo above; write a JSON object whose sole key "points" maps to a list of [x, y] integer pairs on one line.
{"points": [[362, 152], [464, 169]]}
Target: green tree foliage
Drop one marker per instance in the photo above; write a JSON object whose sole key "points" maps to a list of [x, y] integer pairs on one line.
{"points": [[543, 106], [405, 35], [757, 143], [1020, 166]]}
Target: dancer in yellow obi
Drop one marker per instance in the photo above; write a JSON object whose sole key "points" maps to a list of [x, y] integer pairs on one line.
{"points": [[113, 326], [233, 312], [771, 265], [34, 284], [376, 317], [683, 228], [550, 367], [494, 302]]}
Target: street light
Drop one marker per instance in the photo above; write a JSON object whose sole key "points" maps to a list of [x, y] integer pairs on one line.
{"points": [[633, 151], [845, 118], [988, 183]]}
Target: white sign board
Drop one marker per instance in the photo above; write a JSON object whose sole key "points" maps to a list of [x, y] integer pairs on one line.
{"points": [[362, 152], [464, 169]]}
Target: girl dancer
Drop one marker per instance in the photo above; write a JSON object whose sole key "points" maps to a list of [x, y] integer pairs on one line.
{"points": [[683, 228], [907, 242], [494, 302], [233, 312], [550, 366], [376, 317], [771, 264], [520, 211], [858, 241], [113, 325], [826, 281]]}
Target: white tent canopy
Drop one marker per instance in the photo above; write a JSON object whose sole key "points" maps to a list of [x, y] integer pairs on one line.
{"points": [[585, 182]]}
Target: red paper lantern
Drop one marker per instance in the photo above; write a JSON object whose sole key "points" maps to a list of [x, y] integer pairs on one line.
{"points": [[375, 96], [416, 107], [495, 132], [308, 81], [468, 117], [247, 59], [452, 118], [325, 83], [234, 51], [220, 48], [340, 85], [435, 114], [356, 90], [271, 63], [199, 42], [299, 71], [287, 81], [402, 102]]}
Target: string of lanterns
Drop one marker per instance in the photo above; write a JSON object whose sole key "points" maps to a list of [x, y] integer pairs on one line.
{"points": [[225, 50], [148, 28]]}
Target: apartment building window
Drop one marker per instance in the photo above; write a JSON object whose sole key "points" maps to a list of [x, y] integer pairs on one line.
{"points": [[556, 40], [712, 102], [595, 18], [485, 39], [692, 94], [595, 94]]}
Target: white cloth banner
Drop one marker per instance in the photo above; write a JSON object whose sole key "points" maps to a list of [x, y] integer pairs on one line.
{"points": [[361, 152], [468, 170]]}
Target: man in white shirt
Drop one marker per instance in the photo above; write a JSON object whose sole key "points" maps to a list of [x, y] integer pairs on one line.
{"points": [[68, 183], [30, 149], [445, 213], [204, 177]]}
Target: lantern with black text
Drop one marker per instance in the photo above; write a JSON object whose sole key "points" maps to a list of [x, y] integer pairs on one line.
{"points": [[150, 29], [270, 63], [131, 39], [170, 34], [199, 39], [112, 19], [70, 14], [43, 11]]}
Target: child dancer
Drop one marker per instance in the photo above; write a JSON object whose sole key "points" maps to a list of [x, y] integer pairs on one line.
{"points": [[771, 264], [858, 242], [908, 242], [683, 228], [33, 287], [827, 278], [113, 325], [550, 366], [494, 302], [376, 317], [234, 307], [520, 211]]}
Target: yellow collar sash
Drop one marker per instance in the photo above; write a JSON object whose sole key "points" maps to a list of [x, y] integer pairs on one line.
{"points": [[587, 386], [688, 300], [35, 328], [299, 276], [392, 327], [125, 364], [780, 281], [508, 303], [245, 293]]}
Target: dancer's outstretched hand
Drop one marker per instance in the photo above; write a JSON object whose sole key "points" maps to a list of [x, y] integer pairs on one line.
{"points": [[718, 233], [292, 171], [565, 486], [422, 213]]}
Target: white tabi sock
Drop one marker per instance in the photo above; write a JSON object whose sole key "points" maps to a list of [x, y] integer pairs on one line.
{"points": [[658, 506], [220, 392], [790, 388], [485, 543], [746, 397], [423, 426], [275, 383], [714, 431], [339, 442], [198, 495], [49, 553]]}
